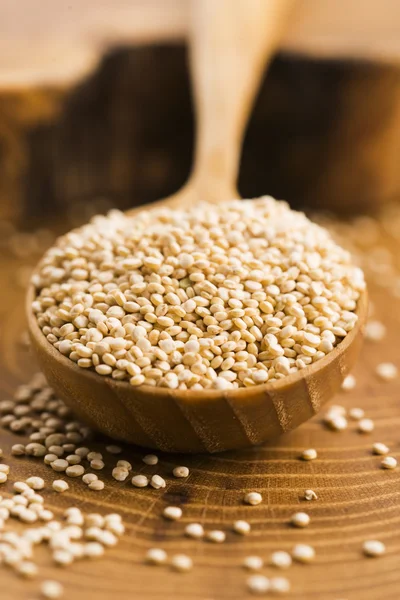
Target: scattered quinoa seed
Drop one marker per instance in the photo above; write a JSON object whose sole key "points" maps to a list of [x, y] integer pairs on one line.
{"points": [[258, 584], [386, 371], [140, 481], [180, 472], [253, 563], [89, 478], [281, 559], [96, 485], [337, 423], [52, 589], [356, 414], [241, 527], [59, 485], [374, 331], [194, 530], [366, 426], [150, 459], [114, 449], [181, 562], [18, 450], [157, 482], [379, 448], [279, 585], [349, 383], [309, 454], [373, 548], [303, 553], [216, 535], [36, 483], [173, 513], [310, 495], [253, 498], [300, 519], [156, 556], [120, 474], [74, 471], [27, 569], [389, 462]]}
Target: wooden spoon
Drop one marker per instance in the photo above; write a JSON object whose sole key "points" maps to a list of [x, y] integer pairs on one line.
{"points": [[231, 41]]}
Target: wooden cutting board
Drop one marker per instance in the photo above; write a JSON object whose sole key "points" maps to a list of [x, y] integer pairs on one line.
{"points": [[357, 500]]}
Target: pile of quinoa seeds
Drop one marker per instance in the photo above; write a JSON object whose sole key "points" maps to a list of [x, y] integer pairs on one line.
{"points": [[209, 297]]}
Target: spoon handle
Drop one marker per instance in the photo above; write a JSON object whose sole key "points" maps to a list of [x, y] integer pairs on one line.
{"points": [[231, 42]]}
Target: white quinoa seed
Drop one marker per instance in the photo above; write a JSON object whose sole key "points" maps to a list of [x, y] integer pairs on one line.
{"points": [[386, 371], [300, 519], [97, 464], [356, 414], [303, 553], [194, 530], [3, 477], [27, 569], [76, 285], [114, 449], [157, 482], [93, 549], [253, 498], [75, 471], [89, 478], [310, 495], [180, 472], [366, 426], [310, 454], [150, 459], [279, 585], [379, 448], [216, 535], [241, 527], [258, 584], [374, 331], [59, 465], [173, 513], [120, 474], [59, 485], [389, 462], [156, 556], [349, 383], [373, 548], [96, 485], [124, 464], [51, 589], [181, 563], [18, 450], [281, 559], [337, 423], [20, 486], [140, 481], [253, 563], [63, 557]]}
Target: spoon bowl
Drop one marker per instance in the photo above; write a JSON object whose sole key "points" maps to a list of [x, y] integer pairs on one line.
{"points": [[196, 421]]}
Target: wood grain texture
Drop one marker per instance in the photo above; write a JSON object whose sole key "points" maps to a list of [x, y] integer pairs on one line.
{"points": [[356, 499], [322, 133]]}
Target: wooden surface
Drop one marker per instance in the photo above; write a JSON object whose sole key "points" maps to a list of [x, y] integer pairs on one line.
{"points": [[356, 499]]}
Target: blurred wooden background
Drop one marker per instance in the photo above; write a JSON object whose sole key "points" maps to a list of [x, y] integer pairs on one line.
{"points": [[96, 104]]}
